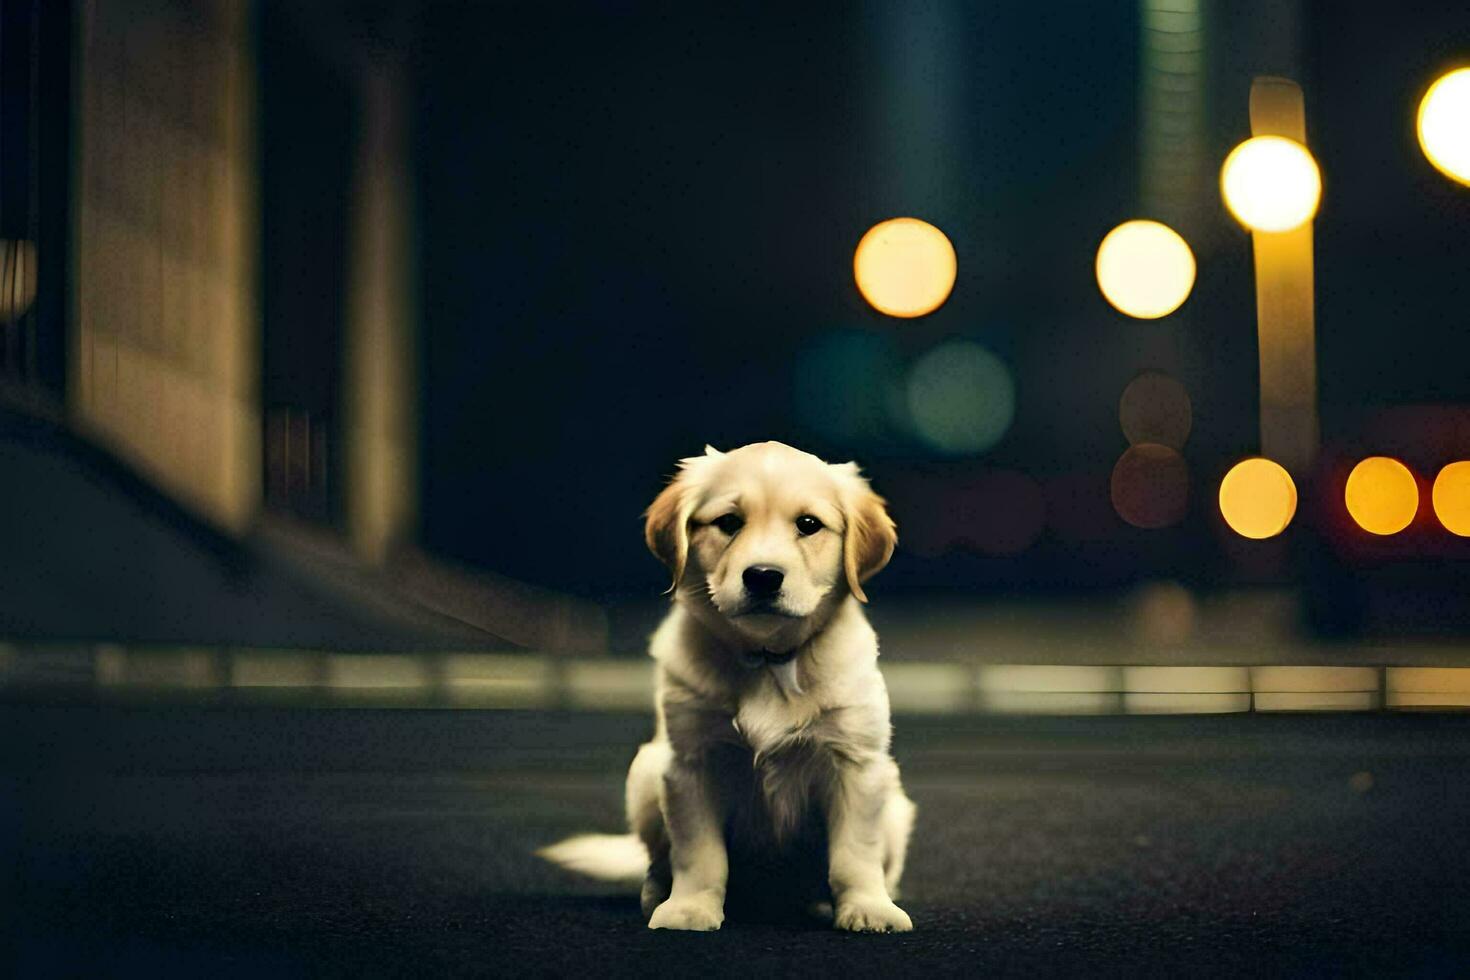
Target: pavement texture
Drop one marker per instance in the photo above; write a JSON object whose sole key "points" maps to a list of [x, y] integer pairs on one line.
{"points": [[269, 842]]}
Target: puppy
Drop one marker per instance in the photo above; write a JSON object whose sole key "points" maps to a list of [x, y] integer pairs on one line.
{"points": [[769, 764]]}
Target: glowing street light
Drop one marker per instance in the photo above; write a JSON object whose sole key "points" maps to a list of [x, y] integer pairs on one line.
{"points": [[1271, 183], [961, 398], [904, 267], [1382, 495], [1145, 269], [1257, 498], [1444, 125], [1451, 498]]}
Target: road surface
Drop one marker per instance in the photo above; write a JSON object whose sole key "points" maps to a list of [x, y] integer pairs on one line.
{"points": [[250, 842]]}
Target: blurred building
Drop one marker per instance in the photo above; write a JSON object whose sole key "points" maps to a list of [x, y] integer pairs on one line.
{"points": [[207, 213], [237, 385]]}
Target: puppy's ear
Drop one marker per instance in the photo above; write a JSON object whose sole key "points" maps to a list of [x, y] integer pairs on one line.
{"points": [[667, 527], [871, 536]]}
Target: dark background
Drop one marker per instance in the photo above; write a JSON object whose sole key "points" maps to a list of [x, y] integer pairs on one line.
{"points": [[637, 225], [634, 226]]}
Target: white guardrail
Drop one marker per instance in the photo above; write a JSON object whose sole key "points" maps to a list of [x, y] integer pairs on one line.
{"points": [[529, 680]]}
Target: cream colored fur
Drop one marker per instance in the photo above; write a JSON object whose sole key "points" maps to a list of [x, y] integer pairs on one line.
{"points": [[750, 755]]}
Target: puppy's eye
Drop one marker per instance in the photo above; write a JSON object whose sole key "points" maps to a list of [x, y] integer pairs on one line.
{"points": [[729, 523], [807, 524]]}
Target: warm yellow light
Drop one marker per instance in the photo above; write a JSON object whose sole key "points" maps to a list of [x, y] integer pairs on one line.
{"points": [[1145, 269], [1271, 183], [1444, 125], [904, 267], [17, 278], [1257, 498], [1451, 497], [1382, 495]]}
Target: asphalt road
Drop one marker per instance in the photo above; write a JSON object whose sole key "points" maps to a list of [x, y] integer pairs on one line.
{"points": [[253, 842]]}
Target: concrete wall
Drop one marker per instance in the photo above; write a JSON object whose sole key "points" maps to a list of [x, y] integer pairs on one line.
{"points": [[164, 351]]}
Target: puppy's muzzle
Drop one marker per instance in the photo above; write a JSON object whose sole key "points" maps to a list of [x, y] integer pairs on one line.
{"points": [[763, 582]]}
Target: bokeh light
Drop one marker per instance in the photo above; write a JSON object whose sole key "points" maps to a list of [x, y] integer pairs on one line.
{"points": [[1444, 125], [1155, 408], [1271, 183], [1451, 498], [1150, 486], [904, 267], [1257, 498], [1382, 495], [1145, 269], [961, 398]]}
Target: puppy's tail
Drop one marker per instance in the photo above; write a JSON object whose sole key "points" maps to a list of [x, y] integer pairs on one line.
{"points": [[607, 857]]}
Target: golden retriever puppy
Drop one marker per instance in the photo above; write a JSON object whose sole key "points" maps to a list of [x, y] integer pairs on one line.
{"points": [[769, 763]]}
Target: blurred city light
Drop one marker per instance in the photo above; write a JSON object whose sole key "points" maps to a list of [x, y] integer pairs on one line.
{"points": [[904, 267], [1150, 486], [1451, 498], [1274, 174], [1382, 495], [17, 278], [1271, 183], [961, 398], [1155, 408], [1145, 269], [1444, 124], [1257, 498]]}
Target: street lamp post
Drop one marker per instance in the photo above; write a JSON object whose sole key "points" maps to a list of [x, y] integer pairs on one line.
{"points": [[1285, 305]]}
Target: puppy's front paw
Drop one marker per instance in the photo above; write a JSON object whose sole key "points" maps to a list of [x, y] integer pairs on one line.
{"points": [[872, 914], [697, 913]]}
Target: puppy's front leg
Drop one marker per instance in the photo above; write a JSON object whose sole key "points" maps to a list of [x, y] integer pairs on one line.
{"points": [[855, 848], [693, 814]]}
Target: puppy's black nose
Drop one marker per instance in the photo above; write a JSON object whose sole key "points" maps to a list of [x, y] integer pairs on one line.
{"points": [[763, 581]]}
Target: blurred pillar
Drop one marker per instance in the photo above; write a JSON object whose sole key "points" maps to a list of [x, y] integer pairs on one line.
{"points": [[918, 86], [163, 358], [1174, 172], [381, 352], [1285, 305]]}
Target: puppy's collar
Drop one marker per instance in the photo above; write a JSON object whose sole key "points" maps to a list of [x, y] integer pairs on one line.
{"points": [[765, 658]]}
